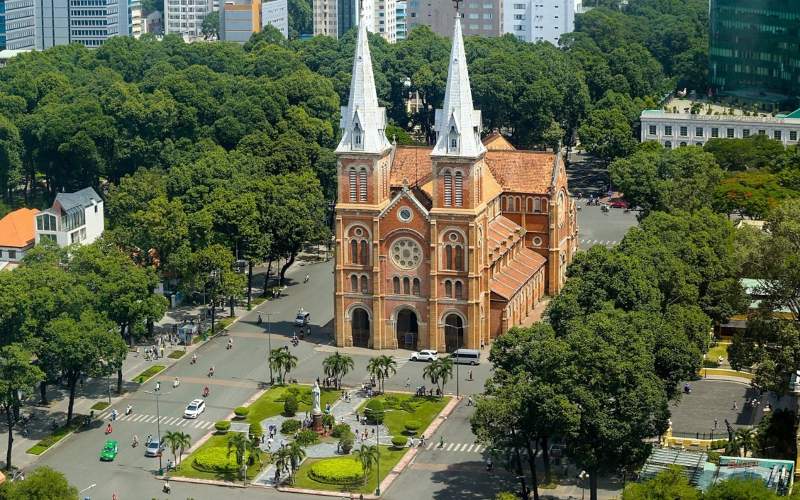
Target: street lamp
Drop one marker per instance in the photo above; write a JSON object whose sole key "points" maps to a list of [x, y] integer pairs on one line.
{"points": [[583, 476], [157, 392], [269, 349], [378, 447]]}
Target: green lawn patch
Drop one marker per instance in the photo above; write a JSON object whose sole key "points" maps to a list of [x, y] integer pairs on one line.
{"points": [[405, 408], [176, 354], [714, 353], [271, 402], [222, 324], [100, 405], [258, 300], [148, 374], [57, 435], [305, 475], [211, 461]]}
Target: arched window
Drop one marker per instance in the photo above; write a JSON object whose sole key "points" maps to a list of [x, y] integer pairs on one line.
{"points": [[448, 288], [415, 287], [364, 252], [544, 205], [353, 283], [459, 290], [396, 285], [459, 189], [353, 189], [362, 185], [353, 252], [459, 260], [357, 143], [448, 257], [537, 205], [668, 144], [406, 286], [453, 139], [364, 284], [448, 189]]}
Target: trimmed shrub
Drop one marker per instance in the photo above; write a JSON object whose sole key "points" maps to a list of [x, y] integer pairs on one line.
{"points": [[346, 442], [290, 426], [328, 420], [342, 470], [506, 495], [215, 459], [399, 441], [306, 437], [412, 426], [340, 430], [256, 431], [290, 406], [374, 412], [222, 426], [241, 411], [293, 391]]}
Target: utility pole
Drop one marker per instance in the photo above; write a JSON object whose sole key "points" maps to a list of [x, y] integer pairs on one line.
{"points": [[269, 349]]}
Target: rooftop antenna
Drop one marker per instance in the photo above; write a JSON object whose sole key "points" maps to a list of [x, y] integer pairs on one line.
{"points": [[458, 4]]}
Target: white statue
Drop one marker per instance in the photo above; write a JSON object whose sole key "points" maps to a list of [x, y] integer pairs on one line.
{"points": [[315, 392]]}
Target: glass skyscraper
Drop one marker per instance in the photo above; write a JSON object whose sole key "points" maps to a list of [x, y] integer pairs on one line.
{"points": [[755, 47]]}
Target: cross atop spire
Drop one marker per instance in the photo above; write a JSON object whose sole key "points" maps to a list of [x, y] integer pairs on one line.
{"points": [[363, 122], [458, 4], [458, 124]]}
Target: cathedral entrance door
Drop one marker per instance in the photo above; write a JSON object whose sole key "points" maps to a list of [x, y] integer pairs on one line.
{"points": [[453, 332], [407, 330], [360, 328]]}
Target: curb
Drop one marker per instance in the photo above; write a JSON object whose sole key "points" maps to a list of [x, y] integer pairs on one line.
{"points": [[182, 479], [322, 493]]}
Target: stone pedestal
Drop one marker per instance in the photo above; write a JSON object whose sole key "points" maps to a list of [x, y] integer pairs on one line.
{"points": [[316, 422]]}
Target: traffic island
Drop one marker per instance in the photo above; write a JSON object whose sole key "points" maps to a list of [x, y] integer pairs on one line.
{"points": [[148, 374], [56, 436]]}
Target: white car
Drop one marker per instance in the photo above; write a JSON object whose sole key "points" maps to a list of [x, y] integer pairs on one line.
{"points": [[426, 355], [194, 409]]}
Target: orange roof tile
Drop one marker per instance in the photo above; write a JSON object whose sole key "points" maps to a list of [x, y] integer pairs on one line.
{"points": [[502, 229], [521, 269], [497, 141], [412, 163], [17, 228], [522, 171]]}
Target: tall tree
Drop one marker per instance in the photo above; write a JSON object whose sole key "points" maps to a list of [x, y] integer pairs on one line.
{"points": [[18, 378], [43, 483]]}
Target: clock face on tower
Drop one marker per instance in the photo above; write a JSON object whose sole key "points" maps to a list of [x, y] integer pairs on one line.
{"points": [[406, 253]]}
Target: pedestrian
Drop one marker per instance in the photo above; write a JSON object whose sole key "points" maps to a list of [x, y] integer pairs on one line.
{"points": [[469, 401], [735, 406], [470, 376], [441, 441], [716, 423], [109, 429], [114, 496], [408, 383]]}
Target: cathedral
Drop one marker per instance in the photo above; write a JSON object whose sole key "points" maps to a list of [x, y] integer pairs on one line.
{"points": [[448, 246]]}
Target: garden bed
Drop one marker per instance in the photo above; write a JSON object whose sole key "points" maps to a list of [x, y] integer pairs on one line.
{"points": [[100, 405], [56, 436], [211, 461], [405, 408], [148, 374], [176, 354], [305, 474], [271, 402]]}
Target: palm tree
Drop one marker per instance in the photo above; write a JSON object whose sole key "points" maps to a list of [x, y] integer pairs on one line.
{"points": [[177, 441], [237, 443], [375, 368], [389, 368], [368, 456], [296, 454], [439, 372], [282, 361], [276, 361], [337, 366], [745, 440]]}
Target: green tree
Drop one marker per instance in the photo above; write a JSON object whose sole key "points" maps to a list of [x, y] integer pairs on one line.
{"points": [[439, 372], [382, 367], [666, 485], [295, 454], [368, 455], [337, 366], [283, 362], [11, 149], [237, 445], [607, 135], [18, 378], [739, 489], [43, 483], [210, 26], [177, 442], [753, 153]]}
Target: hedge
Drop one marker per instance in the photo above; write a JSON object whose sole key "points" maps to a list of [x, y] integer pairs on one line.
{"points": [[290, 406], [215, 459], [347, 441], [256, 431], [412, 426], [342, 470], [241, 411], [306, 437], [340, 430], [399, 441], [374, 411], [222, 425], [290, 426]]}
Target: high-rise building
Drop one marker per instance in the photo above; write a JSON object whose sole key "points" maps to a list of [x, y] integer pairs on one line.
{"points": [[276, 13], [88, 22], [185, 17], [17, 24], [400, 19], [480, 17], [135, 19], [334, 18], [538, 21], [755, 47], [239, 19], [385, 19]]}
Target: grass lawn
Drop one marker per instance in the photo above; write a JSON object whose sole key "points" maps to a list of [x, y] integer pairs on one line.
{"points": [[56, 436], [100, 405], [271, 402], [258, 300], [406, 407], [389, 458], [220, 441], [176, 354], [148, 374], [714, 353]]}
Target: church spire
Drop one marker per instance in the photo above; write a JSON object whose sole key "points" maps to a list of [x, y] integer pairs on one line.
{"points": [[363, 122], [458, 124]]}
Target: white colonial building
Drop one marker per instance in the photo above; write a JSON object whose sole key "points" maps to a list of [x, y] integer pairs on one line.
{"points": [[685, 129], [74, 218]]}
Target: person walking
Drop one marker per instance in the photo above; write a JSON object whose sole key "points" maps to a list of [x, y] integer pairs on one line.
{"points": [[735, 405], [716, 423]]}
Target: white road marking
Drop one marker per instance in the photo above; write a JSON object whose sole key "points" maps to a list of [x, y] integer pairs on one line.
{"points": [[450, 445], [430, 445], [469, 450]]}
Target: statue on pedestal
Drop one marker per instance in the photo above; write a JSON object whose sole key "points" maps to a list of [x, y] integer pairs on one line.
{"points": [[315, 393]]}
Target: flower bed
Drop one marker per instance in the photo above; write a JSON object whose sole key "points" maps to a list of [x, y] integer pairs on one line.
{"points": [[341, 470], [148, 374], [215, 459]]}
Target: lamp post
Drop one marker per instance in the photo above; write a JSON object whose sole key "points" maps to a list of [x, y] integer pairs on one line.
{"points": [[378, 447], [157, 392], [269, 349], [583, 476]]}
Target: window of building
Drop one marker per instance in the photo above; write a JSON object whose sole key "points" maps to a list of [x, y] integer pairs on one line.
{"points": [[12, 254], [362, 185], [46, 222], [519, 6], [762, 132], [459, 290], [745, 132], [448, 257], [396, 285], [406, 286], [364, 284], [448, 189], [415, 288], [684, 131], [353, 283], [459, 258], [652, 129], [714, 132], [364, 253], [668, 144], [448, 288], [667, 130], [683, 144], [776, 134], [729, 133], [698, 131], [459, 189], [793, 135], [353, 252]]}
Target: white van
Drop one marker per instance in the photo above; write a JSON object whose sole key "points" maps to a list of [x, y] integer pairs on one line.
{"points": [[466, 356]]}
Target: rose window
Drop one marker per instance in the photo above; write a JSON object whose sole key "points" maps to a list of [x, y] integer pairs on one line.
{"points": [[406, 253]]}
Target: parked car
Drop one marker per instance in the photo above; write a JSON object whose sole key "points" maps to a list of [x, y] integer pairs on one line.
{"points": [[302, 319], [466, 356], [109, 451], [153, 448], [619, 204], [426, 355], [194, 408]]}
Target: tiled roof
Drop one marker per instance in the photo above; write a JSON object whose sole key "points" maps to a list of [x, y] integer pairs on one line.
{"points": [[412, 163], [497, 141], [522, 171], [514, 276], [82, 199], [502, 229], [17, 228]]}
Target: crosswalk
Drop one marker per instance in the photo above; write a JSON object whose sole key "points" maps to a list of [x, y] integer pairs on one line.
{"points": [[143, 418], [456, 447], [599, 242]]}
